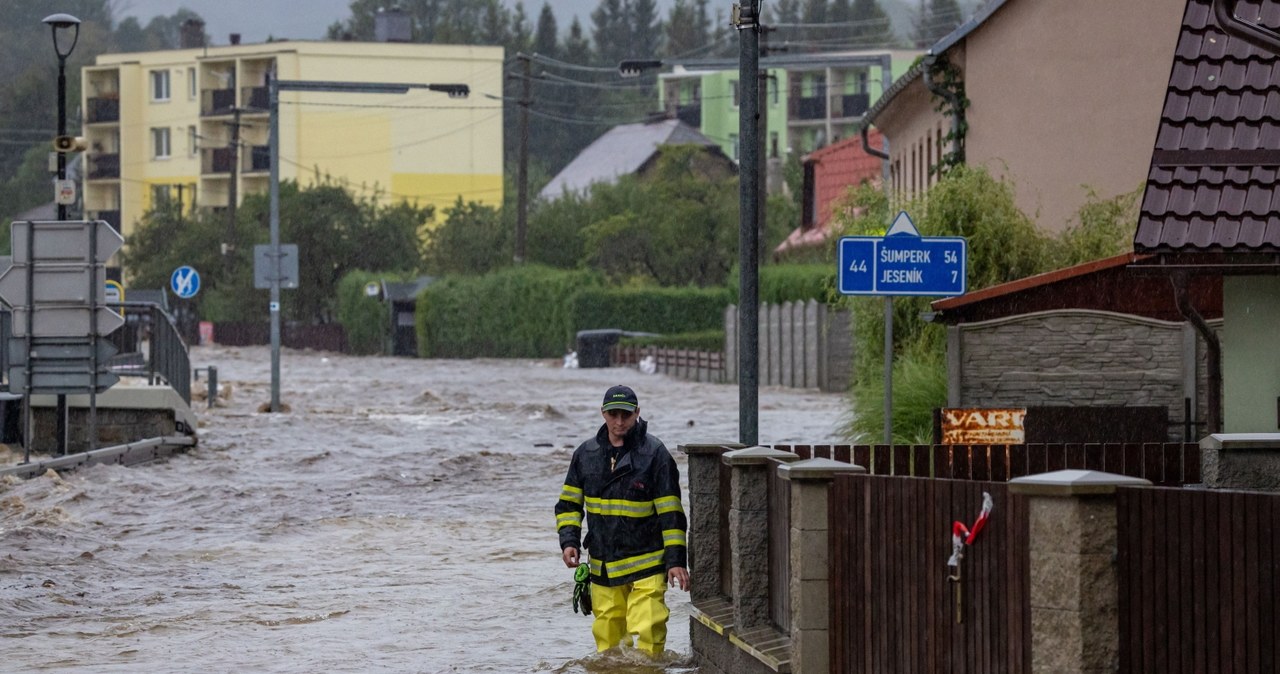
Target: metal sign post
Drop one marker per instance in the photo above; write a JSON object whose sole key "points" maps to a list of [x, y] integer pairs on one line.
{"points": [[900, 263]]}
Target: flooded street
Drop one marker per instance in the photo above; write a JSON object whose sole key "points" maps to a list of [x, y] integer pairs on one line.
{"points": [[398, 519]]}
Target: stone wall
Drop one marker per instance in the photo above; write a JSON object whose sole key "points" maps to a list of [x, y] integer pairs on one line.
{"points": [[1076, 358], [115, 427]]}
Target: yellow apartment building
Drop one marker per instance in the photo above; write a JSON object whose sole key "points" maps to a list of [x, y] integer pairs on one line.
{"points": [[192, 125]]}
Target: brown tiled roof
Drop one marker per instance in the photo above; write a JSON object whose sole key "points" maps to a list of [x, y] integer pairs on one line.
{"points": [[1213, 180]]}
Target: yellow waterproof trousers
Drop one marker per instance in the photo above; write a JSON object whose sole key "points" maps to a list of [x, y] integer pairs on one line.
{"points": [[638, 608]]}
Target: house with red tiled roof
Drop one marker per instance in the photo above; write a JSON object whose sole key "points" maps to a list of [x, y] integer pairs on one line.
{"points": [[829, 174], [1060, 96], [1212, 203]]}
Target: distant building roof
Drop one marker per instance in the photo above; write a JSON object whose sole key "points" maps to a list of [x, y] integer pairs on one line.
{"points": [[829, 173], [1212, 186], [622, 150], [405, 291]]}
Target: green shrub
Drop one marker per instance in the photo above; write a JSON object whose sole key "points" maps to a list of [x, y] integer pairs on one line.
{"points": [[365, 319], [703, 340], [518, 312], [648, 309]]}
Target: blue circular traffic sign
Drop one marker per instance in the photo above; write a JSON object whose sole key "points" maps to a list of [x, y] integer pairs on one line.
{"points": [[185, 282]]}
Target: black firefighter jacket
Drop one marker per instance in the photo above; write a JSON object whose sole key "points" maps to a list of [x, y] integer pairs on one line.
{"points": [[635, 523]]}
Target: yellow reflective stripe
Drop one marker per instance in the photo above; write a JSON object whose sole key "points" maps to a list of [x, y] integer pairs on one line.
{"points": [[595, 566], [672, 537], [619, 507], [568, 520], [571, 494], [668, 504], [623, 567]]}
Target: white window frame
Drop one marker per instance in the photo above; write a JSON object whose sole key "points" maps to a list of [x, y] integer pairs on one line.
{"points": [[160, 145], [192, 141], [159, 85]]}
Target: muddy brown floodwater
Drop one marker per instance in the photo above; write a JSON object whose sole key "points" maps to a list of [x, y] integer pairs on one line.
{"points": [[398, 519]]}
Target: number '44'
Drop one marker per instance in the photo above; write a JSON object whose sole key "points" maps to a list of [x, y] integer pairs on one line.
{"points": [[858, 266]]}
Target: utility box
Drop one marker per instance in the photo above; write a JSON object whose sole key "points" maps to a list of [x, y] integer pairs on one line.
{"points": [[593, 346]]}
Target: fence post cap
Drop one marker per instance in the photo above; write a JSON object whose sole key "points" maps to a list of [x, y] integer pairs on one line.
{"points": [[756, 456], [819, 468], [1238, 441], [1073, 483], [709, 448]]}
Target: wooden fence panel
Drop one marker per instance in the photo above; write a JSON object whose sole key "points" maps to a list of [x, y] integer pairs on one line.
{"points": [[1197, 581], [893, 609]]}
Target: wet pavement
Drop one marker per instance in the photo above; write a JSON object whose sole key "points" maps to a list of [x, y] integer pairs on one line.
{"points": [[397, 519]]}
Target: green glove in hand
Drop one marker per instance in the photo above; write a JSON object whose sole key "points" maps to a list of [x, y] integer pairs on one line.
{"points": [[582, 589]]}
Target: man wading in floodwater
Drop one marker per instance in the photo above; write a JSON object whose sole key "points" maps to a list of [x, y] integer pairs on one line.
{"points": [[630, 487]]}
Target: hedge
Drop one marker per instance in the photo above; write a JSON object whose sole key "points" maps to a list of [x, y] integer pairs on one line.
{"points": [[792, 283], [363, 318], [518, 312], [658, 310]]}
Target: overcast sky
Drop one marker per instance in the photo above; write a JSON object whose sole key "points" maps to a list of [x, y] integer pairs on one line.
{"points": [[255, 20]]}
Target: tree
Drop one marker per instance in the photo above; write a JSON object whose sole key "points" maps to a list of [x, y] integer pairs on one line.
{"points": [[610, 31], [871, 26], [546, 37], [577, 49], [684, 31], [645, 29], [471, 240]]}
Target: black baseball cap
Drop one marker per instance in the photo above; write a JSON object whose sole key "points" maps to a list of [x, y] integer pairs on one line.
{"points": [[620, 398]]}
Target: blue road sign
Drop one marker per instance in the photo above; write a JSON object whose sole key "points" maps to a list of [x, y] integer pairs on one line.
{"points": [[185, 282], [903, 263]]}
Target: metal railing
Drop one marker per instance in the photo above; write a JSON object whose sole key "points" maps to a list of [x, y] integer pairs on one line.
{"points": [[149, 345]]}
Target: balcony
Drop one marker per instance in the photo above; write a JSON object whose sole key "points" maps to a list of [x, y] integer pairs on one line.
{"points": [[256, 99], [103, 166], [809, 107], [111, 217], [103, 110], [257, 159], [852, 105], [214, 102], [215, 160]]}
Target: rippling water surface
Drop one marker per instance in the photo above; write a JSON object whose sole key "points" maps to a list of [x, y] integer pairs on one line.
{"points": [[397, 519]]}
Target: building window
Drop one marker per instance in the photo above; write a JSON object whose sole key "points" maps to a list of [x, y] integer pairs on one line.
{"points": [[192, 89], [773, 144], [159, 85], [733, 84], [160, 195], [733, 141], [191, 141], [160, 143]]}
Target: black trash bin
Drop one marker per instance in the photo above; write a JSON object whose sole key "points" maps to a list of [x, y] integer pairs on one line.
{"points": [[594, 345]]}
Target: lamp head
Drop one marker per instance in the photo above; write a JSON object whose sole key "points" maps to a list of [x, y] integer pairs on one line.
{"points": [[634, 67], [59, 22]]}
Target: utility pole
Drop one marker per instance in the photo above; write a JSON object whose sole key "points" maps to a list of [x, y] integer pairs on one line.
{"points": [[763, 202], [746, 19], [522, 188], [228, 255]]}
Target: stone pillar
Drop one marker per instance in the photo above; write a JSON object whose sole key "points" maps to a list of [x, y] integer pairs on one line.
{"points": [[704, 518], [811, 561], [749, 532], [1074, 623], [1241, 461]]}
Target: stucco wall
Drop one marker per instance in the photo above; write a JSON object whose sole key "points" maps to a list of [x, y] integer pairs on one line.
{"points": [[1250, 367], [1082, 104], [1075, 357]]}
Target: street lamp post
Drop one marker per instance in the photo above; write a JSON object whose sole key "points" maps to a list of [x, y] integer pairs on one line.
{"points": [[274, 87], [58, 23]]}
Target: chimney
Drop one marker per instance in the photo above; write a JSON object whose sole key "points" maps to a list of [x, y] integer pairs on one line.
{"points": [[392, 25], [234, 38], [191, 34]]}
